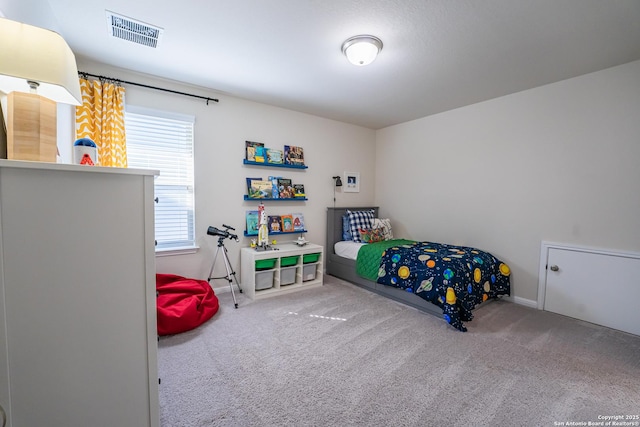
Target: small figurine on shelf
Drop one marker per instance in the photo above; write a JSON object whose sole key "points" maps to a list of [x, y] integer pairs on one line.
{"points": [[85, 152], [263, 230]]}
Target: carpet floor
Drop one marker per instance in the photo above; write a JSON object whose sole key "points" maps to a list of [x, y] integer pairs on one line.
{"points": [[339, 355]]}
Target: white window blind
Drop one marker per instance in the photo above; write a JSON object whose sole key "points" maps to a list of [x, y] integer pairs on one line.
{"points": [[164, 141]]}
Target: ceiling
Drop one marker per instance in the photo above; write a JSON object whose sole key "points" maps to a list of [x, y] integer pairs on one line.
{"points": [[437, 54]]}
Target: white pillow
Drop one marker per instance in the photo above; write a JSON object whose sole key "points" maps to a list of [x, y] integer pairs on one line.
{"points": [[385, 225]]}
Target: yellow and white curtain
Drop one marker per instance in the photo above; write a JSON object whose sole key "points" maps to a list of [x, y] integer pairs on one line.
{"points": [[101, 118]]}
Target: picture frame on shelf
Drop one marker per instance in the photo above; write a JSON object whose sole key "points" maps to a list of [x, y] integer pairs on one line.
{"points": [[351, 182]]}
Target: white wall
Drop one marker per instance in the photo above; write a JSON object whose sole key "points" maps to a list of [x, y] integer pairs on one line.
{"points": [[221, 129], [559, 162]]}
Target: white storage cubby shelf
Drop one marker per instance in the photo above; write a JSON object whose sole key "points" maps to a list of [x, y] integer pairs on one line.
{"points": [[280, 278]]}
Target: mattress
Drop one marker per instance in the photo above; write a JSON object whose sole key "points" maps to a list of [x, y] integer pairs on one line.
{"points": [[348, 249]]}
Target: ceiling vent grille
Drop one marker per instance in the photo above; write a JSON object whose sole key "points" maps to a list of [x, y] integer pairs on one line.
{"points": [[134, 31]]}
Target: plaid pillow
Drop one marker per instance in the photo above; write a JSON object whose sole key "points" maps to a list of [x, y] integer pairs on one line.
{"points": [[384, 225], [358, 220]]}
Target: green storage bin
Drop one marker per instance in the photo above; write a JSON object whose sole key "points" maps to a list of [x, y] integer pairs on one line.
{"points": [[288, 261], [306, 259], [265, 264]]}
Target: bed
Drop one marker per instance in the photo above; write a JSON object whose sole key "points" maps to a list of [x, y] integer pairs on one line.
{"points": [[404, 272]]}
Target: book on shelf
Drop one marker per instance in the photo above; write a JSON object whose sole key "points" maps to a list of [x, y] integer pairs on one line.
{"points": [[275, 192], [287, 223], [298, 190], [298, 221], [252, 222], [293, 155], [250, 150], [274, 223], [274, 156], [285, 190], [260, 189], [249, 184], [251, 154], [261, 154]]}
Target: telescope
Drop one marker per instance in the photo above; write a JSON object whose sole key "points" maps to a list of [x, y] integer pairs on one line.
{"points": [[224, 234]]}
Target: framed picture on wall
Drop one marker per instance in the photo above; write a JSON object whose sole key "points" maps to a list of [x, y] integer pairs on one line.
{"points": [[351, 182]]}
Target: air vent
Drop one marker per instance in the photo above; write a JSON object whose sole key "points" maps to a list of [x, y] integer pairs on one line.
{"points": [[134, 31]]}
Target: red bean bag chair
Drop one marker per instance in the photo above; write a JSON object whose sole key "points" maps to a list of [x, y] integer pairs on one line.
{"points": [[183, 304]]}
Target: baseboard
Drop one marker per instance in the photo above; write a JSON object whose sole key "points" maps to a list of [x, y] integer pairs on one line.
{"points": [[522, 301], [516, 300]]}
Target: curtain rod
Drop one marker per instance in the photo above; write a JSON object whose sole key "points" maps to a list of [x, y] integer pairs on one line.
{"points": [[82, 73]]}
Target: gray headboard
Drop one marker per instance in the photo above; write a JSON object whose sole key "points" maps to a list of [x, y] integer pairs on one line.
{"points": [[334, 224]]}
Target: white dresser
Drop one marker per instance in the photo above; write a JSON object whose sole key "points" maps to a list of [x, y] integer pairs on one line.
{"points": [[78, 337]]}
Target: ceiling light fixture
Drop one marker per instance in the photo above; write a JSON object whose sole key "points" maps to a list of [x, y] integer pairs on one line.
{"points": [[362, 50]]}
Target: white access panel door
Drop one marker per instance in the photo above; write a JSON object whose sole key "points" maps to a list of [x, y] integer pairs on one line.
{"points": [[598, 287]]}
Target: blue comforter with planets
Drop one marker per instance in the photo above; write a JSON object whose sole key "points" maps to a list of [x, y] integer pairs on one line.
{"points": [[455, 278]]}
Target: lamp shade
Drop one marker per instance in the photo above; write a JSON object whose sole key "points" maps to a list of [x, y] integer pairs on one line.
{"points": [[29, 53], [362, 50]]}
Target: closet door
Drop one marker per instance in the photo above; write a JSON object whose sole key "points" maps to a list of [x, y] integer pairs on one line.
{"points": [[600, 287]]}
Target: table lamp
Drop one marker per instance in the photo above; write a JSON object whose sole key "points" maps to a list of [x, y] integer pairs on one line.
{"points": [[37, 70]]}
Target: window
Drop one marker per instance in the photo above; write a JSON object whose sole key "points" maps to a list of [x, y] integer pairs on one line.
{"points": [[164, 141]]}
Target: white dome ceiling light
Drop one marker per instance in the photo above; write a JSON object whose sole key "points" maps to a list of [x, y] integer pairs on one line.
{"points": [[362, 50]]}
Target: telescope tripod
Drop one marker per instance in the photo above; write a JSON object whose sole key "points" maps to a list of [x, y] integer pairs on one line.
{"points": [[227, 265]]}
